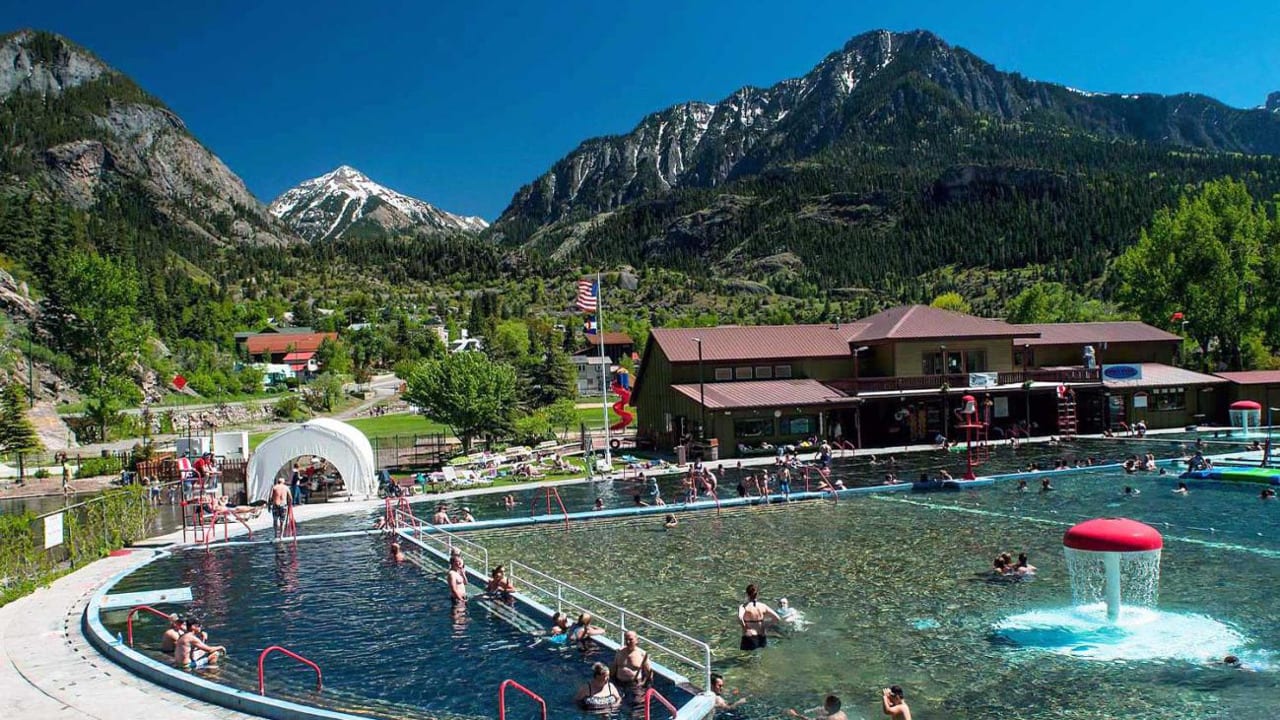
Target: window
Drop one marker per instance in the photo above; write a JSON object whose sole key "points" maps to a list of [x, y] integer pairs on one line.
{"points": [[742, 373], [1170, 399], [975, 361], [752, 428], [764, 372], [782, 371], [958, 362], [931, 364], [724, 373], [799, 425]]}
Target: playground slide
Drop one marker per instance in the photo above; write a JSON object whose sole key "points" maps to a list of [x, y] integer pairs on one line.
{"points": [[620, 407]]}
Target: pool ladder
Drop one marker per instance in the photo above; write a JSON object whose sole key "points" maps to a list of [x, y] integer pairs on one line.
{"points": [[502, 698], [550, 491], [262, 682]]}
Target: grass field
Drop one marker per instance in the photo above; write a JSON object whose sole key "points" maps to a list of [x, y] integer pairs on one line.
{"points": [[411, 424]]}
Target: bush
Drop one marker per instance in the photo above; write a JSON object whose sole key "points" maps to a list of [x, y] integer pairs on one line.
{"points": [[290, 409], [41, 474], [532, 429], [94, 467]]}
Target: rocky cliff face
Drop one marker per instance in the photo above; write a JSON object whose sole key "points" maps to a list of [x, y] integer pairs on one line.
{"points": [[346, 201], [877, 86], [87, 131]]}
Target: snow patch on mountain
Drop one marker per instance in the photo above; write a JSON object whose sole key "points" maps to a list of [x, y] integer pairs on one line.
{"points": [[324, 208]]}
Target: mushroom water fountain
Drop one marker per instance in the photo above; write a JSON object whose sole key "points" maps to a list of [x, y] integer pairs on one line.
{"points": [[1114, 568]]}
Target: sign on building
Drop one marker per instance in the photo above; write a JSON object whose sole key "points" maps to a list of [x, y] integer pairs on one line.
{"points": [[1124, 371], [984, 379]]}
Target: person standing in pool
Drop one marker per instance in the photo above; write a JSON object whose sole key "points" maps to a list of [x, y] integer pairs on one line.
{"points": [[830, 710], [279, 501], [599, 695], [457, 580], [717, 687], [631, 666], [753, 616], [895, 705]]}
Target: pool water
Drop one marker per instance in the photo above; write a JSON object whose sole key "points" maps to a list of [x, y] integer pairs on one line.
{"points": [[858, 471], [898, 592], [385, 635]]}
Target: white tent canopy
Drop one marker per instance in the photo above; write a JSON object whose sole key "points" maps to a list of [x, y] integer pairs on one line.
{"points": [[345, 447]]}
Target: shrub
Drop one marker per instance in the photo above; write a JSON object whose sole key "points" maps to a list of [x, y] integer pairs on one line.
{"points": [[93, 467]]}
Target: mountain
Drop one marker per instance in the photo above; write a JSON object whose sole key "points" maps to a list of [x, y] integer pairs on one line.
{"points": [[896, 155], [346, 201], [84, 133]]}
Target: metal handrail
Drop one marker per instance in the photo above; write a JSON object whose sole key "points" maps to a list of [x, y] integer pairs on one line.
{"points": [[526, 575], [477, 550], [129, 620], [550, 491], [649, 695], [502, 698], [262, 685]]}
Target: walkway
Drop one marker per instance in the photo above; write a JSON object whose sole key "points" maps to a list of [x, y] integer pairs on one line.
{"points": [[49, 671]]}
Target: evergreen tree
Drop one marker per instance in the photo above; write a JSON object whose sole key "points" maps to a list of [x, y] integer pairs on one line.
{"points": [[17, 435]]}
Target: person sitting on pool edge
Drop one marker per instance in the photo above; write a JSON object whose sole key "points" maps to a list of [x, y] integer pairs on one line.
{"points": [[599, 694], [169, 640], [752, 615], [191, 652]]}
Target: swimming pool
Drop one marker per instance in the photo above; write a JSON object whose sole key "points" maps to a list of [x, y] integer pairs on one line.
{"points": [[389, 641], [898, 592], [857, 471]]}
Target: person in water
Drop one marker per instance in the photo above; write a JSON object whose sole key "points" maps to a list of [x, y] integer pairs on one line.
{"points": [[1022, 485], [191, 652], [1181, 489], [169, 640], [717, 687], [599, 694], [1130, 490], [457, 580], [670, 521], [1023, 567], [441, 516], [754, 615], [631, 665], [499, 584], [830, 710], [895, 703], [583, 630], [558, 633], [1045, 485], [397, 555]]}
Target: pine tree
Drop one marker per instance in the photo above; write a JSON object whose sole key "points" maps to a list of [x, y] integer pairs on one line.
{"points": [[17, 434]]}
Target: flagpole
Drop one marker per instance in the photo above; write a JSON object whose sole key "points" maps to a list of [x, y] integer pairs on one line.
{"points": [[604, 370]]}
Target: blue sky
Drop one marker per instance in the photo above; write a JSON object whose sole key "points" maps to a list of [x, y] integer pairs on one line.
{"points": [[461, 103]]}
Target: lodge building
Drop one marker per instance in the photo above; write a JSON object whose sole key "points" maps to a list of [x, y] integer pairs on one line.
{"points": [[897, 378]]}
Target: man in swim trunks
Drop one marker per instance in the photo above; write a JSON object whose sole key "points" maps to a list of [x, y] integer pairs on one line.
{"points": [[457, 580], [191, 652], [830, 710], [441, 517], [631, 666], [279, 502], [753, 616]]}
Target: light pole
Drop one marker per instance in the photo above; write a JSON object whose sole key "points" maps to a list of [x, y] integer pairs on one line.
{"points": [[1266, 453], [702, 396], [945, 409], [31, 365]]}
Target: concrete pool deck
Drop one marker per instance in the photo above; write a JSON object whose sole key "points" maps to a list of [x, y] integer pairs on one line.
{"points": [[49, 671]]}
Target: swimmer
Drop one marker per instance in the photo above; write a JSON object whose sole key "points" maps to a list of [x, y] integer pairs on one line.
{"points": [[1045, 485], [583, 630], [1129, 490], [717, 687], [752, 615], [1267, 494], [499, 584], [1023, 567], [191, 652], [791, 617], [599, 694], [639, 502], [441, 517], [895, 704], [830, 710], [1181, 489], [466, 516], [397, 555], [559, 628], [670, 521], [1022, 486], [169, 640], [599, 504], [631, 665], [509, 502]]}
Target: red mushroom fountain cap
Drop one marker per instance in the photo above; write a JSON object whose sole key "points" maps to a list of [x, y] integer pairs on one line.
{"points": [[1113, 535], [1245, 405]]}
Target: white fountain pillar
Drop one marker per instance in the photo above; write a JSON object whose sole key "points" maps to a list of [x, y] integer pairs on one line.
{"points": [[1111, 584]]}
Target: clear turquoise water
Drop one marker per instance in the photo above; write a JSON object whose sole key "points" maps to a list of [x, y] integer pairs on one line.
{"points": [[898, 590]]}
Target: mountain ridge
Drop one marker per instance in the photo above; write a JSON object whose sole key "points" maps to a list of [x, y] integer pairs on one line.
{"points": [[345, 200], [871, 82]]}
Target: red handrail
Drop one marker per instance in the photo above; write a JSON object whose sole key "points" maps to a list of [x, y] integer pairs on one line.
{"points": [[262, 685], [549, 492], [148, 608], [502, 698], [649, 695]]}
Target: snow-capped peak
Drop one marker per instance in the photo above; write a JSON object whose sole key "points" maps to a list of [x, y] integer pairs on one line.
{"points": [[324, 208]]}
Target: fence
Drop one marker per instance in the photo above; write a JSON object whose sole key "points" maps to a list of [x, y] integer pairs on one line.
{"points": [[34, 548]]}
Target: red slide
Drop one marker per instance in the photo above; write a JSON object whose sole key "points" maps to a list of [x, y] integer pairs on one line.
{"points": [[620, 407]]}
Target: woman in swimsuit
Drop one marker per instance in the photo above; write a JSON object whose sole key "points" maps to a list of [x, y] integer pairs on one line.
{"points": [[752, 615], [599, 694], [631, 664], [582, 630]]}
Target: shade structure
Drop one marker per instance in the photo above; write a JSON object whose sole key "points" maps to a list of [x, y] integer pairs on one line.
{"points": [[1246, 405], [345, 447], [1113, 535]]}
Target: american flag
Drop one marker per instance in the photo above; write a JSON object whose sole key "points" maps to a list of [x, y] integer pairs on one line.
{"points": [[589, 325], [588, 296]]}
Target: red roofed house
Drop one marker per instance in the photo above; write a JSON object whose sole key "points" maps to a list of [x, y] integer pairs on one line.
{"points": [[273, 347], [896, 378]]}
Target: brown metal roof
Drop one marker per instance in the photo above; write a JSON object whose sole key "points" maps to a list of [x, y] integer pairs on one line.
{"points": [[275, 343], [922, 322], [1252, 377], [611, 338], [763, 393], [757, 342], [1095, 333], [1161, 375]]}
